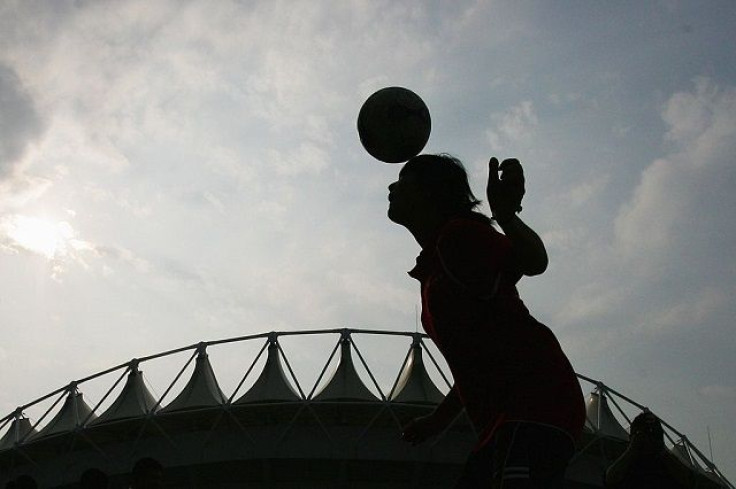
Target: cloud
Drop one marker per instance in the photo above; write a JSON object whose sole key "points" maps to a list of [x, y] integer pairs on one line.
{"points": [[20, 189], [307, 158], [514, 127], [591, 302], [660, 268], [582, 193], [20, 127], [20, 124], [689, 193], [687, 312]]}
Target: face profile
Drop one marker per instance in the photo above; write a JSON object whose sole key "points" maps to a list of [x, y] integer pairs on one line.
{"points": [[406, 199]]}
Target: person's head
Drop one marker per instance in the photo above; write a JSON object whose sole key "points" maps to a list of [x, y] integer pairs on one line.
{"points": [[434, 185], [646, 429], [94, 479], [147, 474]]}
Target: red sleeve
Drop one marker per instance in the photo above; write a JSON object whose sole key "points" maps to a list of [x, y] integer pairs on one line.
{"points": [[472, 255]]}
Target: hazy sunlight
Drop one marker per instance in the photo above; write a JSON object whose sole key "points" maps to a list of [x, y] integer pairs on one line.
{"points": [[46, 238]]}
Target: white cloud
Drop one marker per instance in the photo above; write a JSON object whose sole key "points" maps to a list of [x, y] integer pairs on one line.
{"points": [[20, 190], [514, 127], [665, 271], [690, 187], [688, 312], [566, 239], [590, 303], [305, 159], [584, 192]]}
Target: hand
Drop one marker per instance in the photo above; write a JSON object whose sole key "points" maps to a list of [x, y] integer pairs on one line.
{"points": [[505, 193], [420, 429]]}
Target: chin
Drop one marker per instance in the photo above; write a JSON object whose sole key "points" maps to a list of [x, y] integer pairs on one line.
{"points": [[394, 216]]}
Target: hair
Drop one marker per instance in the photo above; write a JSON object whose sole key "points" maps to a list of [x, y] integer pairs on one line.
{"points": [[446, 179]]}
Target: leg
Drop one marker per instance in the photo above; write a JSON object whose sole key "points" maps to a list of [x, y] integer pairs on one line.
{"points": [[520, 456], [535, 457]]}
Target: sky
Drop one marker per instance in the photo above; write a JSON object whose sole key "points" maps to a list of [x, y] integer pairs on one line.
{"points": [[179, 171]]}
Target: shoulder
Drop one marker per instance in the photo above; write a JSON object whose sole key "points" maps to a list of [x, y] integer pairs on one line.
{"points": [[473, 245], [471, 230]]}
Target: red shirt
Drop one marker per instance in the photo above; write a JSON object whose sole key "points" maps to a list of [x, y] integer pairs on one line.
{"points": [[506, 365]]}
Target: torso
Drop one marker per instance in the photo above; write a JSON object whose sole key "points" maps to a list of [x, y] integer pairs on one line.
{"points": [[506, 365]]}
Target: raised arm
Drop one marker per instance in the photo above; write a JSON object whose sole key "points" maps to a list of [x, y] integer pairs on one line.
{"points": [[504, 196]]}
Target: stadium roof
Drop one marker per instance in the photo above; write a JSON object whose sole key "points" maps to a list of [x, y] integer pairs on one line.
{"points": [[414, 384], [600, 418], [272, 385], [202, 390], [135, 400], [345, 383], [289, 410]]}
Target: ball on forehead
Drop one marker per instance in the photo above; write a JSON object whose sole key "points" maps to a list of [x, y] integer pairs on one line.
{"points": [[394, 124]]}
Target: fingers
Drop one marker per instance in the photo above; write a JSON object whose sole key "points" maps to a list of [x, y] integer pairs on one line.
{"points": [[493, 164], [493, 171], [510, 164], [511, 171]]}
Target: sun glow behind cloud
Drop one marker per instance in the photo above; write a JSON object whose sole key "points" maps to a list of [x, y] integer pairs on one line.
{"points": [[41, 236]]}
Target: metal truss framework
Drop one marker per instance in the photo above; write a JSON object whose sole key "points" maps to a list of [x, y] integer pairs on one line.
{"points": [[602, 424]]}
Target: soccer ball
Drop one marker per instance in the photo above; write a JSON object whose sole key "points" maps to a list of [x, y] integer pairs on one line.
{"points": [[394, 124]]}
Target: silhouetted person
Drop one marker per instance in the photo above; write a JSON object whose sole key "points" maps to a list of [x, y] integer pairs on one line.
{"points": [[94, 479], [646, 463], [25, 482], [148, 473], [510, 373]]}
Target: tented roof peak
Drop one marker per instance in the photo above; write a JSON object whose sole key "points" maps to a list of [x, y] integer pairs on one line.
{"points": [[272, 385], [345, 384], [414, 385], [202, 390], [135, 399], [72, 415], [20, 429], [600, 418]]}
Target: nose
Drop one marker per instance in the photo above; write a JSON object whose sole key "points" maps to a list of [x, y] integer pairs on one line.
{"points": [[391, 186]]}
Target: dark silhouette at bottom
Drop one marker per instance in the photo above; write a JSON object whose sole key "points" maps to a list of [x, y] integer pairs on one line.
{"points": [[646, 463]]}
